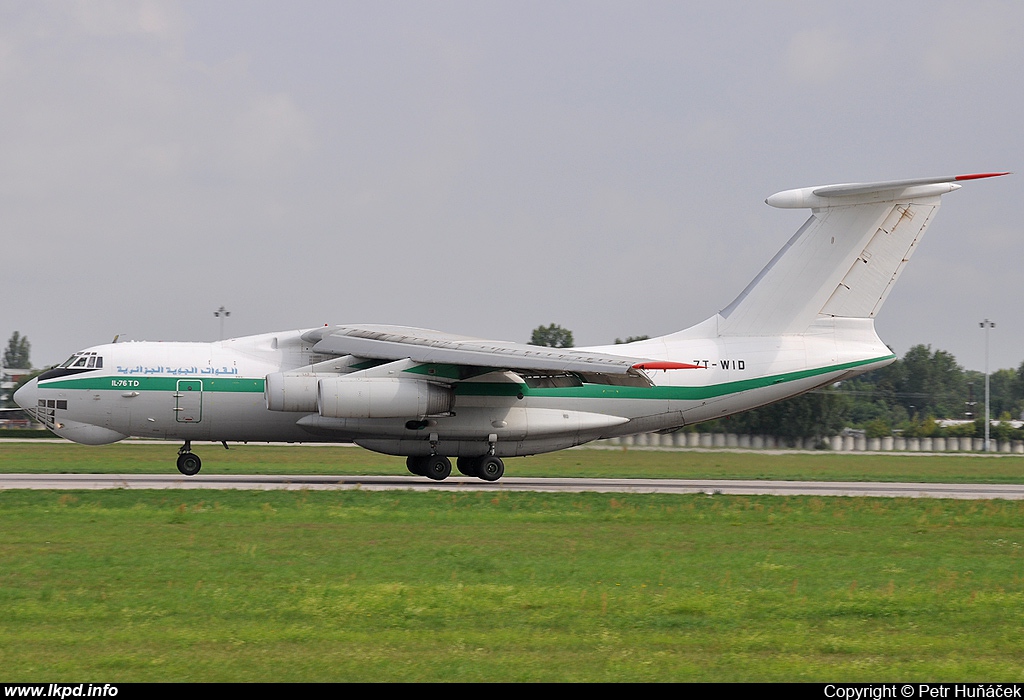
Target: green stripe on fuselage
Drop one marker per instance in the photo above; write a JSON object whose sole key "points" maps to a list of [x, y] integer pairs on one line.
{"points": [[681, 393], [130, 383]]}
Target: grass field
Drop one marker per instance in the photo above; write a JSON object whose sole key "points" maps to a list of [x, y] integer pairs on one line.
{"points": [[357, 586], [134, 458], [117, 586]]}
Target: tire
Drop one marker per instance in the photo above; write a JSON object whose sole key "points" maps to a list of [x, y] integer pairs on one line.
{"points": [[490, 468], [189, 464], [437, 468], [415, 465], [466, 465]]}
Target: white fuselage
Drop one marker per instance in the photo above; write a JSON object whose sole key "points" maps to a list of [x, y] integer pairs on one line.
{"points": [[217, 391]]}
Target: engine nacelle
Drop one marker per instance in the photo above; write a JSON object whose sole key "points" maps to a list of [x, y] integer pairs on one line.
{"points": [[382, 397], [291, 392]]}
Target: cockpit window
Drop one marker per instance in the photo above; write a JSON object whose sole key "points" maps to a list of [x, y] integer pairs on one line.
{"points": [[83, 360]]}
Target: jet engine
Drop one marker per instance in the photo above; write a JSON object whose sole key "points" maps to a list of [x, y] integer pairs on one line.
{"points": [[291, 392], [382, 397]]}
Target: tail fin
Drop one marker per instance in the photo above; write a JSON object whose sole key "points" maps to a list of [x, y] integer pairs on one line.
{"points": [[844, 260]]}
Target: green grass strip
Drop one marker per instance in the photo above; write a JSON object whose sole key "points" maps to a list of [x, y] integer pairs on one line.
{"points": [[119, 586], [159, 457]]}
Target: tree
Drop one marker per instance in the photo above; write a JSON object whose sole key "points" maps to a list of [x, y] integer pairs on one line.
{"points": [[16, 354], [923, 383], [817, 414], [631, 339], [933, 383], [1003, 388], [552, 336]]}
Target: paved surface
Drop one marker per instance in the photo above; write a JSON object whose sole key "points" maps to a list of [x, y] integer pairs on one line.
{"points": [[379, 483]]}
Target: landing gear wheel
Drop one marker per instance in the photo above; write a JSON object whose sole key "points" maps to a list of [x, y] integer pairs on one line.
{"points": [[189, 464], [490, 468], [415, 465], [466, 465], [437, 467]]}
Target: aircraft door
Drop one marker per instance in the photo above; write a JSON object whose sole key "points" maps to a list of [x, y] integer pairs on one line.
{"points": [[188, 401]]}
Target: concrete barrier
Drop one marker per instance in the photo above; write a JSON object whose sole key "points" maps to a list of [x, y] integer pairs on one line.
{"points": [[836, 443]]}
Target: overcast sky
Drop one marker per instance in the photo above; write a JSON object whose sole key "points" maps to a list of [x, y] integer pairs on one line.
{"points": [[487, 167]]}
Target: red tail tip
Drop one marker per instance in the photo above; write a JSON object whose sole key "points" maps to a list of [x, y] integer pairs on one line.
{"points": [[979, 176]]}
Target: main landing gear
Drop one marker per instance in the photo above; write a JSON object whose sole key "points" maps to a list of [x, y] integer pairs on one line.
{"points": [[438, 468], [189, 463]]}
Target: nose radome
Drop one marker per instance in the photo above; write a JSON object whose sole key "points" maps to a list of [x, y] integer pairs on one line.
{"points": [[27, 395]]}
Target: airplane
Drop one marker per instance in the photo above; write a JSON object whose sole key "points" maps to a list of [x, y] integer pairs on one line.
{"points": [[805, 321]]}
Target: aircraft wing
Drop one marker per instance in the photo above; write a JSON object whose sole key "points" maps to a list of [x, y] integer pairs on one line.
{"points": [[427, 346]]}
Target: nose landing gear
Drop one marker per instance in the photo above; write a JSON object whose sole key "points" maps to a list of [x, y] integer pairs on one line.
{"points": [[189, 463]]}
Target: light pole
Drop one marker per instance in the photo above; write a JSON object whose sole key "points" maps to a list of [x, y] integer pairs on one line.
{"points": [[221, 313], [986, 325]]}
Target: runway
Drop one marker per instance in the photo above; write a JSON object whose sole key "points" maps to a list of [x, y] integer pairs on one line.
{"points": [[382, 483]]}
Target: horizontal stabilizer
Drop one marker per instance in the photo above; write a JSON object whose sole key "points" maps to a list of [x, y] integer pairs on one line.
{"points": [[866, 192]]}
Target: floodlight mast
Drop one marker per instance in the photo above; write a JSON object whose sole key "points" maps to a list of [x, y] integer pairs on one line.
{"points": [[986, 325], [221, 313]]}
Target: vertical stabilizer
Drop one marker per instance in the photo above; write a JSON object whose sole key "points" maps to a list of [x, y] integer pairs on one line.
{"points": [[844, 260]]}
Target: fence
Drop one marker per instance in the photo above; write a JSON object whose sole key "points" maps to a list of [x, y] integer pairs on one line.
{"points": [[837, 443]]}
